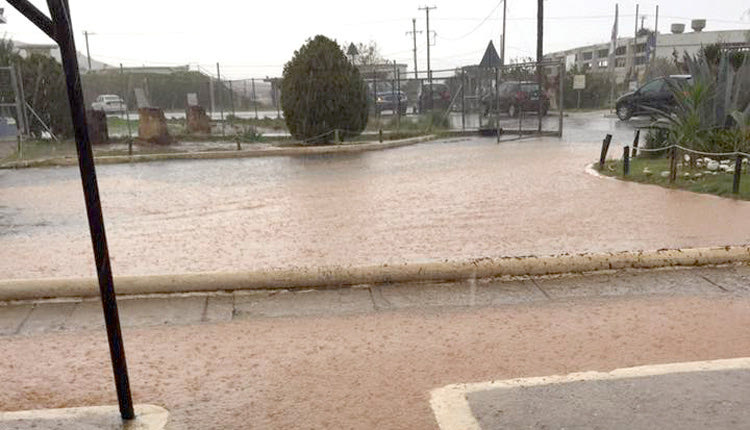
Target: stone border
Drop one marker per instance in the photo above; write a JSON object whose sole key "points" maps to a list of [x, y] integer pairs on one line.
{"points": [[331, 277], [216, 155], [452, 411], [148, 417]]}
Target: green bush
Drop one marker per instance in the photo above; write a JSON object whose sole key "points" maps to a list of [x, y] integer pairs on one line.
{"points": [[321, 91]]}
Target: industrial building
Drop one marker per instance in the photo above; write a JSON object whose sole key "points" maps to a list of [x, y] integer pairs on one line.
{"points": [[633, 53]]}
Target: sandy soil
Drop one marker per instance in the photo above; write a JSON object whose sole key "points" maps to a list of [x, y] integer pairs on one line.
{"points": [[366, 371]]}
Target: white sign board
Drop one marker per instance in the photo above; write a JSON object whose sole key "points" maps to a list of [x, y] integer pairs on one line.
{"points": [[141, 99], [192, 99], [579, 82]]}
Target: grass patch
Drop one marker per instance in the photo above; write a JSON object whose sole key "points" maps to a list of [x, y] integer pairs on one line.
{"points": [[698, 180]]}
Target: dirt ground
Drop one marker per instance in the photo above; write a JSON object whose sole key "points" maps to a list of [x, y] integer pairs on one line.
{"points": [[363, 371]]}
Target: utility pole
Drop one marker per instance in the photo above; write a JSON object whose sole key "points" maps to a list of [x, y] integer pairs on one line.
{"points": [[502, 42], [414, 32], [88, 53], [429, 70], [540, 54], [656, 34], [221, 97], [635, 43]]}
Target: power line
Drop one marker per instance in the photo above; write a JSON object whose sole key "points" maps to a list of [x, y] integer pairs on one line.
{"points": [[478, 25]]}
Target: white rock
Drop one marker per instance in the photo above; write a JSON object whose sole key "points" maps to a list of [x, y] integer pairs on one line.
{"points": [[698, 175], [686, 174], [724, 162], [712, 165], [665, 174], [744, 161], [686, 158], [647, 172]]}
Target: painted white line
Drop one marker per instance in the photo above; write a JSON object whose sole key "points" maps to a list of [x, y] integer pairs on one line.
{"points": [[148, 417], [451, 406]]}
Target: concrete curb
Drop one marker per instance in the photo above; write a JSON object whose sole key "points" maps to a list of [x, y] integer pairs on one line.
{"points": [[328, 277], [216, 155]]}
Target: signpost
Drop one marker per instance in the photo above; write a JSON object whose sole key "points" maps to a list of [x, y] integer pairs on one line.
{"points": [[579, 83], [60, 29]]}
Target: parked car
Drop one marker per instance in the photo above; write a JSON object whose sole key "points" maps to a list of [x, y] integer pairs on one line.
{"points": [[515, 97], [655, 94], [392, 101], [108, 103], [387, 98], [441, 97]]}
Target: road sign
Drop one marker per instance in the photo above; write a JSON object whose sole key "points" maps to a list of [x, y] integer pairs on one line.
{"points": [[579, 82]]}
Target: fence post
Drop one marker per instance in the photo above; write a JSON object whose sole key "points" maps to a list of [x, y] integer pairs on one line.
{"points": [[605, 148], [673, 165], [626, 161], [380, 135], [635, 142], [463, 100], [336, 136], [737, 174]]}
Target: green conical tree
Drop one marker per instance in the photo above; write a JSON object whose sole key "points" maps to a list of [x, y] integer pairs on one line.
{"points": [[321, 91]]}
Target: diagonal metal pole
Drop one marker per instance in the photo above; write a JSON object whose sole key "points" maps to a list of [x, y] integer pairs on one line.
{"points": [[62, 27]]}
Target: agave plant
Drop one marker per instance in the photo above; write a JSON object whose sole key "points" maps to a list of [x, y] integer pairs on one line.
{"points": [[708, 108]]}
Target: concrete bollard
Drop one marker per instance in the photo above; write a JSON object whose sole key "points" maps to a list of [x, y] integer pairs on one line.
{"points": [[97, 126], [197, 121], [152, 126]]}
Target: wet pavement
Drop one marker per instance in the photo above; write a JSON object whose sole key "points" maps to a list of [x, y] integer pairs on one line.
{"points": [[364, 358], [452, 199]]}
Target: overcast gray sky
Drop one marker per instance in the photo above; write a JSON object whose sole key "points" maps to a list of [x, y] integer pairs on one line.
{"points": [[255, 39]]}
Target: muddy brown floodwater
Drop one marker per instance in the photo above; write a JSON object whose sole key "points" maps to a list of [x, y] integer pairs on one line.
{"points": [[451, 199]]}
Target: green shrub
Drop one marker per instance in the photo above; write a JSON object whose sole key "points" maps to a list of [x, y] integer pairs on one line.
{"points": [[322, 91]]}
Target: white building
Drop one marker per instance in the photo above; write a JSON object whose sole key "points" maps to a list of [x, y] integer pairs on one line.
{"points": [[595, 58]]}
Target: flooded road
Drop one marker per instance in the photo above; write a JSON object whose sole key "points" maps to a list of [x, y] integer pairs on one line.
{"points": [[450, 199]]}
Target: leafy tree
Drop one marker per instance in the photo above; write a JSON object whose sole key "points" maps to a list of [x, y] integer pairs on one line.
{"points": [[44, 89], [322, 91]]}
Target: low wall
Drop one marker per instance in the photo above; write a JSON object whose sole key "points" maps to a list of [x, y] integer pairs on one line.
{"points": [[328, 277]]}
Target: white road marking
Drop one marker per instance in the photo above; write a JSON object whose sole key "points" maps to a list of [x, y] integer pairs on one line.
{"points": [[451, 406]]}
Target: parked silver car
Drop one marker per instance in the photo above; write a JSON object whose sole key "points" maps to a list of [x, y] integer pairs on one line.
{"points": [[108, 103]]}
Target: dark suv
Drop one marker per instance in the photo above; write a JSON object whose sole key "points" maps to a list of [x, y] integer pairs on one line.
{"points": [[387, 98], [655, 94], [515, 97]]}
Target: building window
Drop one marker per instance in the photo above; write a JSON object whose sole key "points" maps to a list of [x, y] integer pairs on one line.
{"points": [[621, 50], [620, 62], [602, 63], [588, 56], [641, 60], [640, 48], [603, 53]]}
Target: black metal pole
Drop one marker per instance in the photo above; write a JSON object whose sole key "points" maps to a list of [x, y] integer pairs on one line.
{"points": [[737, 174], [625, 161], [64, 35], [605, 149]]}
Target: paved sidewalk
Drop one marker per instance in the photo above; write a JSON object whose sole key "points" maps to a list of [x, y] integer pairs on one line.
{"points": [[36, 317]]}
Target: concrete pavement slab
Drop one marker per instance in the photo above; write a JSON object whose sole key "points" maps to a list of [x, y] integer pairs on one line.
{"points": [[136, 312], [304, 303], [735, 279], [47, 317], [12, 316], [148, 417], [219, 308], [669, 281], [467, 293]]}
